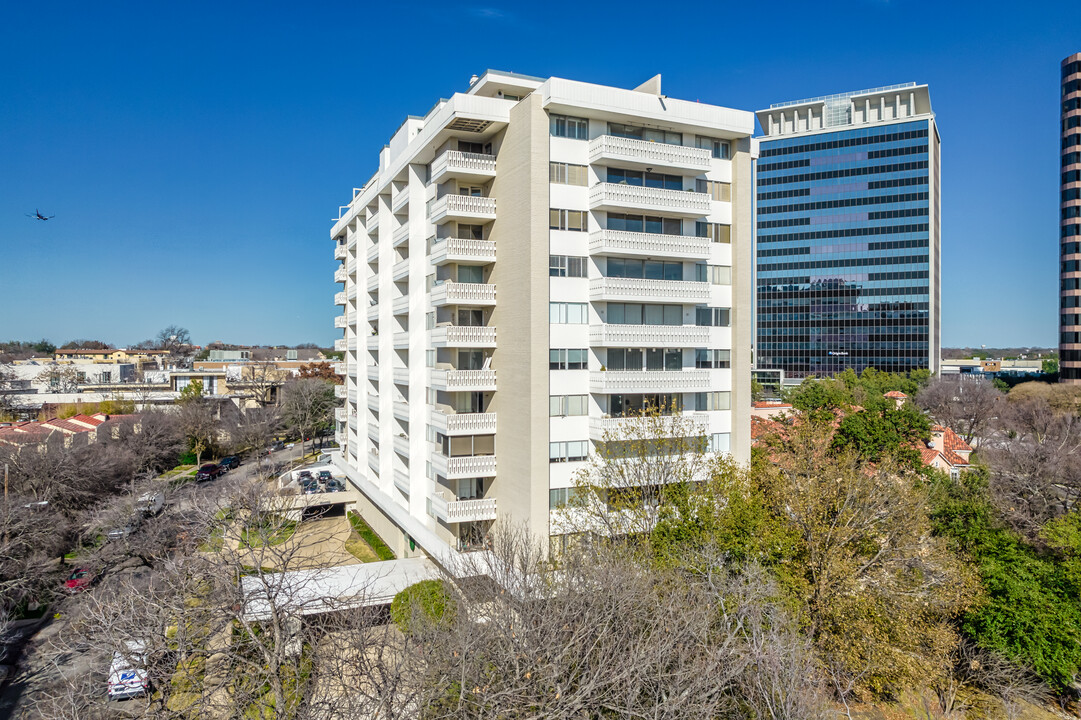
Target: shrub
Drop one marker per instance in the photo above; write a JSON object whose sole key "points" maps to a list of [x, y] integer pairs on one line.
{"points": [[427, 601]]}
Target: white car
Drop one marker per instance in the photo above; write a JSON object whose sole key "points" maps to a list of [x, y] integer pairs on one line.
{"points": [[126, 681], [150, 503]]}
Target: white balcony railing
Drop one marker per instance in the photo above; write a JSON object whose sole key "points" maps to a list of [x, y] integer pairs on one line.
{"points": [[610, 289], [608, 148], [373, 372], [339, 298], [351, 267], [648, 336], [373, 430], [400, 340], [373, 462], [464, 467], [373, 401], [400, 408], [687, 425], [401, 199], [632, 244], [400, 235], [341, 321], [340, 414], [401, 376], [455, 293], [401, 445], [401, 480], [464, 336], [373, 223], [617, 196], [352, 395], [400, 270], [400, 306], [372, 342], [453, 163], [340, 391], [463, 250], [340, 252], [462, 380], [353, 423], [649, 381], [340, 275], [338, 367], [340, 345], [372, 284], [462, 423], [351, 344], [372, 255], [450, 510], [463, 207]]}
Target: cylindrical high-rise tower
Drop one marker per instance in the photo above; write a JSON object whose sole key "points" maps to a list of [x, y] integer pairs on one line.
{"points": [[1070, 222]]}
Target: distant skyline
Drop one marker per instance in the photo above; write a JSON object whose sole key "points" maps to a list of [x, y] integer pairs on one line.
{"points": [[194, 154]]}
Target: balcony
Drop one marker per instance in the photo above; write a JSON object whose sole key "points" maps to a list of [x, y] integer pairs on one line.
{"points": [[648, 381], [464, 208], [462, 380], [401, 376], [464, 251], [454, 293], [401, 199], [351, 292], [400, 306], [340, 414], [449, 510], [619, 243], [373, 254], [340, 252], [401, 445], [400, 270], [339, 368], [353, 423], [340, 345], [401, 340], [630, 152], [373, 463], [340, 391], [478, 336], [451, 423], [372, 342], [373, 401], [373, 430], [400, 235], [685, 292], [401, 481], [616, 197], [648, 336], [400, 408], [351, 344], [351, 394], [688, 425], [373, 372], [373, 223], [464, 467], [341, 321], [372, 313], [463, 165], [339, 298], [373, 283], [340, 275], [351, 267]]}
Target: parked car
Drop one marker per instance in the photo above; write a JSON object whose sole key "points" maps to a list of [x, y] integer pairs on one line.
{"points": [[126, 528], [230, 462], [128, 679], [81, 579], [325, 476], [309, 486], [335, 485], [275, 446], [208, 472], [150, 503]]}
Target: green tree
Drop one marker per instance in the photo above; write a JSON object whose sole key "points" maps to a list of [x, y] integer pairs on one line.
{"points": [[192, 392], [887, 431]]}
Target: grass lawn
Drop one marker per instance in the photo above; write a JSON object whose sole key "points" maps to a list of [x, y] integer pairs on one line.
{"points": [[363, 534], [271, 533], [216, 540]]}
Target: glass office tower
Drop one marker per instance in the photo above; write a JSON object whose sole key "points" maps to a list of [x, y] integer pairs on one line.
{"points": [[847, 266], [1070, 224]]}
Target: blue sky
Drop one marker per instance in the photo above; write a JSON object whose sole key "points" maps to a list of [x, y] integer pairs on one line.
{"points": [[193, 153]]}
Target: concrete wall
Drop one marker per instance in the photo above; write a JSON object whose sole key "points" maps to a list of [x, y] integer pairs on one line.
{"points": [[521, 319], [742, 308]]}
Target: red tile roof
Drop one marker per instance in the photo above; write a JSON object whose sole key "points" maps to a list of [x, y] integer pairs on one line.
{"points": [[896, 395], [953, 442], [770, 404]]}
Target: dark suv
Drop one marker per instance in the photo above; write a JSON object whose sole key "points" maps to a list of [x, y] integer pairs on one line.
{"points": [[208, 472], [229, 463]]}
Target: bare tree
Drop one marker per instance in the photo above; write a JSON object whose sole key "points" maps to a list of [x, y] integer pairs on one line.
{"points": [[198, 421], [174, 339], [966, 407], [260, 381], [60, 378], [308, 406]]}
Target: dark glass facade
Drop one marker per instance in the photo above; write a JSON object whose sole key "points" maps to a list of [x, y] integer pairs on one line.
{"points": [[1070, 224], [847, 250]]}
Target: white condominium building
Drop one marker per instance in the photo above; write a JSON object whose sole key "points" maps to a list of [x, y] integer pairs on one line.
{"points": [[534, 260]]}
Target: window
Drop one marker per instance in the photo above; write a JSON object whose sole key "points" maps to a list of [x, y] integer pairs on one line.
{"points": [[648, 134], [721, 400], [470, 274], [569, 127], [645, 179], [644, 223], [720, 442], [429, 320], [567, 174], [567, 313], [559, 497], [713, 274], [649, 359], [716, 232], [639, 314], [468, 445], [562, 359], [711, 316], [716, 190], [429, 358], [712, 358], [477, 148], [631, 405], [470, 317], [566, 266], [567, 405], [571, 451], [470, 232], [470, 359], [648, 269], [719, 148], [471, 190], [567, 220], [106, 376]]}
